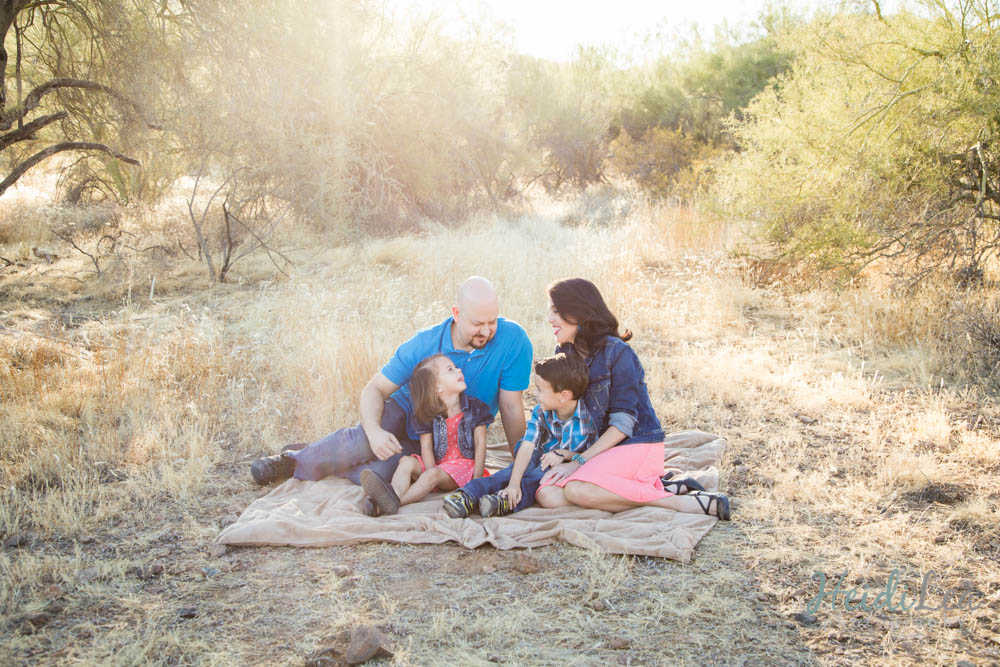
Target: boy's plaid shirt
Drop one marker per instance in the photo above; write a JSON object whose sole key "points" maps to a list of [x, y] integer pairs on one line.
{"points": [[546, 429]]}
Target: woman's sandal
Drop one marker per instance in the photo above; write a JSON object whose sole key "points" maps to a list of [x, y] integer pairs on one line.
{"points": [[721, 503], [679, 487]]}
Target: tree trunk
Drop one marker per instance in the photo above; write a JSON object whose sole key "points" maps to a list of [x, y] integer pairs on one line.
{"points": [[8, 12], [6, 20]]}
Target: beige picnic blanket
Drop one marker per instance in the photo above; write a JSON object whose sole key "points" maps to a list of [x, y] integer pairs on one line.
{"points": [[327, 513]]}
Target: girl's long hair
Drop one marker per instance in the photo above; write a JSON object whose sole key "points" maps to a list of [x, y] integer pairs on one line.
{"points": [[423, 391], [579, 302]]}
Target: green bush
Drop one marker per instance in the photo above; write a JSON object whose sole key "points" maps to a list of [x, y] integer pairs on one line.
{"points": [[878, 144]]}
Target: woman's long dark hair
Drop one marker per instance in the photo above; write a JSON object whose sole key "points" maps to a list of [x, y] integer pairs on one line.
{"points": [[579, 302]]}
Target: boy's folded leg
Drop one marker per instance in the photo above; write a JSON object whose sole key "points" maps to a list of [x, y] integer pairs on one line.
{"points": [[481, 486], [530, 482]]}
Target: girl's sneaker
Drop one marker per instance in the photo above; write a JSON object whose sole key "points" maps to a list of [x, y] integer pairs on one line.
{"points": [[380, 491], [495, 505], [458, 504]]}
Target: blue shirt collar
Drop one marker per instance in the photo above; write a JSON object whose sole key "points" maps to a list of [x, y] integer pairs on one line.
{"points": [[579, 413], [447, 345]]}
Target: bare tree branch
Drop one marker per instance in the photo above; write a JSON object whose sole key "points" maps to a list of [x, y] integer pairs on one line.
{"points": [[20, 169], [26, 131], [34, 98], [68, 238], [267, 249]]}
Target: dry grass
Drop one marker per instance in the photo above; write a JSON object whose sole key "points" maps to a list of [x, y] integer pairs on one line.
{"points": [[127, 426]]}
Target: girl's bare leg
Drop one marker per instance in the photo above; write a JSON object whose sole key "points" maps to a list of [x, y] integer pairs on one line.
{"points": [[435, 478], [595, 497], [552, 496], [407, 471]]}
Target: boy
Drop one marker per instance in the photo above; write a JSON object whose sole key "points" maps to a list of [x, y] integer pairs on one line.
{"points": [[559, 428]]}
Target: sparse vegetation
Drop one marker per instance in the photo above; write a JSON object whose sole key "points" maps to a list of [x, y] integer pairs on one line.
{"points": [[128, 425], [333, 203]]}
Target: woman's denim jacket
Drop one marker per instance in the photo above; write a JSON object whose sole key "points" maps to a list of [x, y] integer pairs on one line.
{"points": [[475, 413], [617, 394]]}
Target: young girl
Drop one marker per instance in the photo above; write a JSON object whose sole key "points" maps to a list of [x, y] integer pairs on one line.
{"points": [[452, 428]]}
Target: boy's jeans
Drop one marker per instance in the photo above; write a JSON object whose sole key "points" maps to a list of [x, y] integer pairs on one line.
{"points": [[346, 451], [498, 481]]}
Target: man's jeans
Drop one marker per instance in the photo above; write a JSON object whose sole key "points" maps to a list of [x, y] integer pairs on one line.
{"points": [[498, 481], [346, 452]]}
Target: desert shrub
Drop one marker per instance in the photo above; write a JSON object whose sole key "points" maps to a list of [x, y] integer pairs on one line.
{"points": [[664, 162], [974, 335], [877, 144], [672, 123], [565, 112], [599, 205]]}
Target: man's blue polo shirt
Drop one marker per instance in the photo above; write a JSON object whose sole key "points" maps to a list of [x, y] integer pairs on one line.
{"points": [[504, 363]]}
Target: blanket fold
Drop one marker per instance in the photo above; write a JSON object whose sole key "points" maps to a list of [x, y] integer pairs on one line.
{"points": [[327, 513]]}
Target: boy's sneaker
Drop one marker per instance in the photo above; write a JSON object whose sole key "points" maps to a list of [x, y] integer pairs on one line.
{"points": [[458, 504], [270, 469], [495, 505]]}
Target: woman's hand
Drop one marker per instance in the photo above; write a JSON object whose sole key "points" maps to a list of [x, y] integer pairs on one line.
{"points": [[556, 473]]}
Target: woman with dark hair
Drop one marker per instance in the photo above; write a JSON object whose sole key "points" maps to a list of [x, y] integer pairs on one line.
{"points": [[623, 468]]}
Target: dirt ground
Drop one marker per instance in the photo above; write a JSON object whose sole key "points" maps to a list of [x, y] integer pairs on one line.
{"points": [[842, 459]]}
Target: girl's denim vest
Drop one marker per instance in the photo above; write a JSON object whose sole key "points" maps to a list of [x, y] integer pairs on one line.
{"points": [[476, 413], [614, 370]]}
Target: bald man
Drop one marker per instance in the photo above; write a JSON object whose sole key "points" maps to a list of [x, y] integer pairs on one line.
{"points": [[495, 357]]}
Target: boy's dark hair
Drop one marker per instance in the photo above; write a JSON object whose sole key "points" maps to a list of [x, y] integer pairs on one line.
{"points": [[565, 371], [423, 390]]}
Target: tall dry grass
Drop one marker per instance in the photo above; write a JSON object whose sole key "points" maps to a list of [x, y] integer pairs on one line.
{"points": [[127, 433]]}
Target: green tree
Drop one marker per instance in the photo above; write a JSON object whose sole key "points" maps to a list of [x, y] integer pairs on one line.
{"points": [[880, 143], [674, 124], [565, 111], [63, 74]]}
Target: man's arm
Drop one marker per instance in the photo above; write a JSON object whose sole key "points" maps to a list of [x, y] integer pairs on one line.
{"points": [[512, 415], [373, 398]]}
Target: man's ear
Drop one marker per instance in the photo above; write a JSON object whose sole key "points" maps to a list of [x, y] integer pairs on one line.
{"points": [[454, 313], [567, 395]]}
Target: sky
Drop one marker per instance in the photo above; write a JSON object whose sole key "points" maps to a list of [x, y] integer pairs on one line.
{"points": [[552, 29]]}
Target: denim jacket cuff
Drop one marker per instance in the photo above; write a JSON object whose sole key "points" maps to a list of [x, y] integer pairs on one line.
{"points": [[622, 421]]}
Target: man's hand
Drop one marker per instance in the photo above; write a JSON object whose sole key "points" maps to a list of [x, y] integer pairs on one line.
{"points": [[383, 444], [513, 493], [556, 473]]}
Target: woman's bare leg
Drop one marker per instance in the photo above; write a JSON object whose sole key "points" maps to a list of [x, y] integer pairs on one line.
{"points": [[552, 496], [435, 478], [586, 494]]}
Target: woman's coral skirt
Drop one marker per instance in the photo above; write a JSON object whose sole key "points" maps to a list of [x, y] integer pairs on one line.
{"points": [[630, 471]]}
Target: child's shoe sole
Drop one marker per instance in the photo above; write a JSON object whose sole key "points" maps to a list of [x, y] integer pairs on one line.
{"points": [[380, 491]]}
